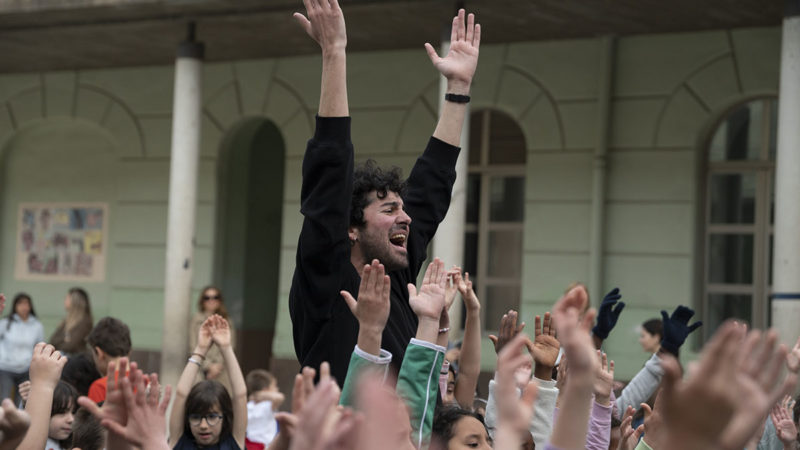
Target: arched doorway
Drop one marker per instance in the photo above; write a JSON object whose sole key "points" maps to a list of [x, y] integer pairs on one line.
{"points": [[248, 240]]}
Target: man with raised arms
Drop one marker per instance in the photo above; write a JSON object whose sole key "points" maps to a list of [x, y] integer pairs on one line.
{"points": [[353, 216]]}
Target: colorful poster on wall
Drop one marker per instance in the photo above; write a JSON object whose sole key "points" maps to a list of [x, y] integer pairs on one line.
{"points": [[62, 241]]}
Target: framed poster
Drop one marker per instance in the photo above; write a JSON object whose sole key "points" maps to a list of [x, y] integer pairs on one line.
{"points": [[62, 241]]}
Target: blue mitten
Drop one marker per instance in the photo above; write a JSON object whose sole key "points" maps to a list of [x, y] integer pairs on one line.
{"points": [[677, 328], [608, 315]]}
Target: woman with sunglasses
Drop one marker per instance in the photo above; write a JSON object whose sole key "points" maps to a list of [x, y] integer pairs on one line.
{"points": [[211, 302]]}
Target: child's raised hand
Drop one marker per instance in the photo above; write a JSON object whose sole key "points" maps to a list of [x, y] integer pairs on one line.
{"points": [[429, 302], [24, 389], [204, 335], [2, 302], [372, 307], [46, 365], [451, 286], [114, 405], [147, 426], [14, 423], [604, 379], [464, 284], [221, 331]]}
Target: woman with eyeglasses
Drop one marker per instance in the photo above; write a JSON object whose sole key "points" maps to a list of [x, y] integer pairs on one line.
{"points": [[206, 415], [211, 302]]}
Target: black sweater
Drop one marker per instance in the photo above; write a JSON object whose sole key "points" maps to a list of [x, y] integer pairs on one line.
{"points": [[324, 328]]}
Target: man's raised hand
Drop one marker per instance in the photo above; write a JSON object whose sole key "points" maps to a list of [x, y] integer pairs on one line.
{"points": [[324, 22], [458, 66]]}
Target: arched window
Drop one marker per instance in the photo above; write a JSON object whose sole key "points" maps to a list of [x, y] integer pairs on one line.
{"points": [[493, 246], [739, 212]]}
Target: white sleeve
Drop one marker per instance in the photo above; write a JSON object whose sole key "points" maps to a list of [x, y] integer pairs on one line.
{"points": [[542, 421]]}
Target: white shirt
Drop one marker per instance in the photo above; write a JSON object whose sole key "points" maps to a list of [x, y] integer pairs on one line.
{"points": [[261, 424], [17, 342]]}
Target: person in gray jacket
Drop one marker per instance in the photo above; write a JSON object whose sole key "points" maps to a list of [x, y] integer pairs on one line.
{"points": [[20, 330]]}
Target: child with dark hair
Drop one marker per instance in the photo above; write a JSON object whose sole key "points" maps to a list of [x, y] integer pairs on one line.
{"points": [[110, 340], [19, 332], [87, 433], [207, 415], [81, 372], [51, 402], [454, 427], [263, 399], [62, 417]]}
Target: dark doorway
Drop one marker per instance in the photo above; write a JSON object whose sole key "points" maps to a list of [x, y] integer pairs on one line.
{"points": [[248, 240]]}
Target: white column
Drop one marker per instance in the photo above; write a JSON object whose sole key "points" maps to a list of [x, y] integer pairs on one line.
{"points": [[186, 120], [786, 257], [448, 244]]}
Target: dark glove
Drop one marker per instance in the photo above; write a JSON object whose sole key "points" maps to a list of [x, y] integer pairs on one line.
{"points": [[608, 315], [677, 328]]}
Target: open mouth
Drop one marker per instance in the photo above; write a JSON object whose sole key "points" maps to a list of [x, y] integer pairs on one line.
{"points": [[204, 436], [398, 239]]}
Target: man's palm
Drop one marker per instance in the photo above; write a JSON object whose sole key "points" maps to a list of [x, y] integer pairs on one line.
{"points": [[460, 62]]}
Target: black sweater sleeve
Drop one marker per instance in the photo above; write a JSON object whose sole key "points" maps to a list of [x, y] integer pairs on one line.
{"points": [[427, 198], [323, 247]]}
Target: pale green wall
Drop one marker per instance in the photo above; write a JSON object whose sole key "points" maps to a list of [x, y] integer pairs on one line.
{"points": [[667, 90]]}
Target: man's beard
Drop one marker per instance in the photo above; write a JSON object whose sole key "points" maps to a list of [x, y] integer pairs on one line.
{"points": [[378, 247]]}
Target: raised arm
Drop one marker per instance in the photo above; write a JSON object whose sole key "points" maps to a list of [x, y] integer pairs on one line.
{"points": [[45, 371], [14, 424], [607, 317], [514, 414], [417, 381], [569, 432], [469, 367], [176, 418], [458, 66], [324, 22], [221, 335], [544, 348], [372, 312]]}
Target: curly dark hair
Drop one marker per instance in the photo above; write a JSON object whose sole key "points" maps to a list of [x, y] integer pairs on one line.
{"points": [[368, 177]]}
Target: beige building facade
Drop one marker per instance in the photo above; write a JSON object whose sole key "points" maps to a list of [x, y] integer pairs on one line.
{"points": [[685, 215]]}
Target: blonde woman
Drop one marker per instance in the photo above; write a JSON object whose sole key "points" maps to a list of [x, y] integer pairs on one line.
{"points": [[70, 336], [211, 302]]}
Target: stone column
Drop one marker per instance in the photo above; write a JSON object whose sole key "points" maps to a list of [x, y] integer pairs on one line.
{"points": [[448, 244], [186, 121], [599, 164], [786, 256]]}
